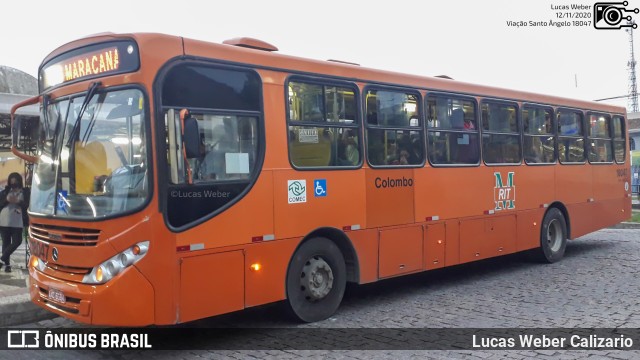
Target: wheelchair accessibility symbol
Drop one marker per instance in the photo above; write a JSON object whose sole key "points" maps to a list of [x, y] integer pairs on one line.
{"points": [[62, 201], [320, 187]]}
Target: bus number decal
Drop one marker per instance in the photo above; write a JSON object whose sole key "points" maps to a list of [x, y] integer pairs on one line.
{"points": [[504, 195], [39, 249], [297, 191]]}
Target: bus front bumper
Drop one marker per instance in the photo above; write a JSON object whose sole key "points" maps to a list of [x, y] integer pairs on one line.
{"points": [[126, 300]]}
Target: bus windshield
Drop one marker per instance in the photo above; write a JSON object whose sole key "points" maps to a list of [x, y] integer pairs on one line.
{"points": [[92, 162]]}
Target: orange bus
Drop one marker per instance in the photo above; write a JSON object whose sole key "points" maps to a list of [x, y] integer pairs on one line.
{"points": [[177, 179]]}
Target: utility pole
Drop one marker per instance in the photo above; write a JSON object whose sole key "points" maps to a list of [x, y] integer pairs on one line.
{"points": [[631, 65]]}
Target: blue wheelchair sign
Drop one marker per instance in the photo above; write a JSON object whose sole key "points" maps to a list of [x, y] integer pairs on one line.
{"points": [[320, 187], [62, 201]]}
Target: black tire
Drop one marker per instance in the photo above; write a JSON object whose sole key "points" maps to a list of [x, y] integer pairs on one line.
{"points": [[553, 237], [316, 280]]}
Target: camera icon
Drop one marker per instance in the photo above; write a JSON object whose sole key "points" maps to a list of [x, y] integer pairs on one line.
{"points": [[609, 15]]}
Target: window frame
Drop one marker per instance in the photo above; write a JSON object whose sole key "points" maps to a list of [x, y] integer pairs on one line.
{"points": [[518, 132], [462, 97], [163, 166], [554, 133], [420, 128], [583, 136], [610, 138], [623, 139], [324, 82]]}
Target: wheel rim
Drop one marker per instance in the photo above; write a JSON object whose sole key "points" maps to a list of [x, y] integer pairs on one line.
{"points": [[316, 279], [554, 235]]}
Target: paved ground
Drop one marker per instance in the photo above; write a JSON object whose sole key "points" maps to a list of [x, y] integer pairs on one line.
{"points": [[595, 286]]}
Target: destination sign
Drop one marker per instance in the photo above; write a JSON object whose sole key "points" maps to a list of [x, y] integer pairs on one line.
{"points": [[90, 62]]}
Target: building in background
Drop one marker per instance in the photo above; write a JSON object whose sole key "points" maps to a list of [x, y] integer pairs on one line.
{"points": [[16, 86]]}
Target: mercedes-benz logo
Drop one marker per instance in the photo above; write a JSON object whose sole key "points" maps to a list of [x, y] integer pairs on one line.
{"points": [[54, 254]]}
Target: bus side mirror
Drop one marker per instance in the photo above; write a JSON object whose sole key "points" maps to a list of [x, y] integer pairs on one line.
{"points": [[191, 138]]}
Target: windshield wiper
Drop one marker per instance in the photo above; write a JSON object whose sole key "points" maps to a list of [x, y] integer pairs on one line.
{"points": [[93, 88]]}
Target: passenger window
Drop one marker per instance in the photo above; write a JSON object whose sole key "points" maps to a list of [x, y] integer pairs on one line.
{"points": [[323, 126], [619, 141], [571, 136], [500, 135], [600, 143], [539, 135], [226, 105], [228, 146], [394, 129], [452, 131]]}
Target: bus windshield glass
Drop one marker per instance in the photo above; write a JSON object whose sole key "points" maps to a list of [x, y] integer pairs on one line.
{"points": [[91, 163]]}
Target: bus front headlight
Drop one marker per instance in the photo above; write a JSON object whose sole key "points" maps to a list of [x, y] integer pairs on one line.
{"points": [[116, 264]]}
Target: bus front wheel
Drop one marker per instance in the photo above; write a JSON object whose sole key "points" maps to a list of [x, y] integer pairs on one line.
{"points": [[316, 280], [553, 237]]}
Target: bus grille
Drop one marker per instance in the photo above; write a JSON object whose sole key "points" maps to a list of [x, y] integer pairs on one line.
{"points": [[68, 270], [64, 235]]}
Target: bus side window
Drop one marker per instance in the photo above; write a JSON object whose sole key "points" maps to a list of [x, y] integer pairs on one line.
{"points": [[323, 124], [452, 134], [501, 137]]}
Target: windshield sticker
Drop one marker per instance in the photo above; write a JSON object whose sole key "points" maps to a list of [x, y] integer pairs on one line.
{"points": [[297, 191], [504, 194], [237, 163], [62, 201]]}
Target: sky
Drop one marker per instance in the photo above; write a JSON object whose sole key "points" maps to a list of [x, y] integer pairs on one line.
{"points": [[468, 40]]}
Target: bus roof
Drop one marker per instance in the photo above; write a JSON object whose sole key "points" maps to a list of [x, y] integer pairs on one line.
{"points": [[267, 58]]}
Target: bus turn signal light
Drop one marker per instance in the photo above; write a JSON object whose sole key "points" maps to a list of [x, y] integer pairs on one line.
{"points": [[99, 274], [255, 267]]}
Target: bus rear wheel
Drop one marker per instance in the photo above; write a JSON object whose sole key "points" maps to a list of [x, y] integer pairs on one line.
{"points": [[316, 280], [553, 237]]}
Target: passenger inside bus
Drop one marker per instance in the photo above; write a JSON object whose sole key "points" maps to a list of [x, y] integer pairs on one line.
{"points": [[349, 153], [465, 145], [213, 164]]}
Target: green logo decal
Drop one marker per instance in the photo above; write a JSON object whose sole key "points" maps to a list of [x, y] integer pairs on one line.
{"points": [[504, 195], [297, 191]]}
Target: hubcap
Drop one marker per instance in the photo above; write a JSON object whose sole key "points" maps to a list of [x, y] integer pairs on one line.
{"points": [[554, 235], [316, 279]]}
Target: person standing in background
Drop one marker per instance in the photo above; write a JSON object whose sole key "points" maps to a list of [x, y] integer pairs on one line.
{"points": [[14, 203]]}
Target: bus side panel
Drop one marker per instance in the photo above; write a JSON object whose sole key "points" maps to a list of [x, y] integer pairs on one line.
{"points": [[269, 283], [300, 206], [434, 246], [232, 227], [504, 231], [534, 186], [573, 184], [400, 251], [487, 237], [453, 192], [605, 183], [473, 240], [581, 219], [608, 212], [390, 197], [528, 227], [452, 244], [365, 242], [210, 285], [274, 109]]}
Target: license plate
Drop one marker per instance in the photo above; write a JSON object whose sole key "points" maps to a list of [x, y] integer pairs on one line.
{"points": [[57, 295]]}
